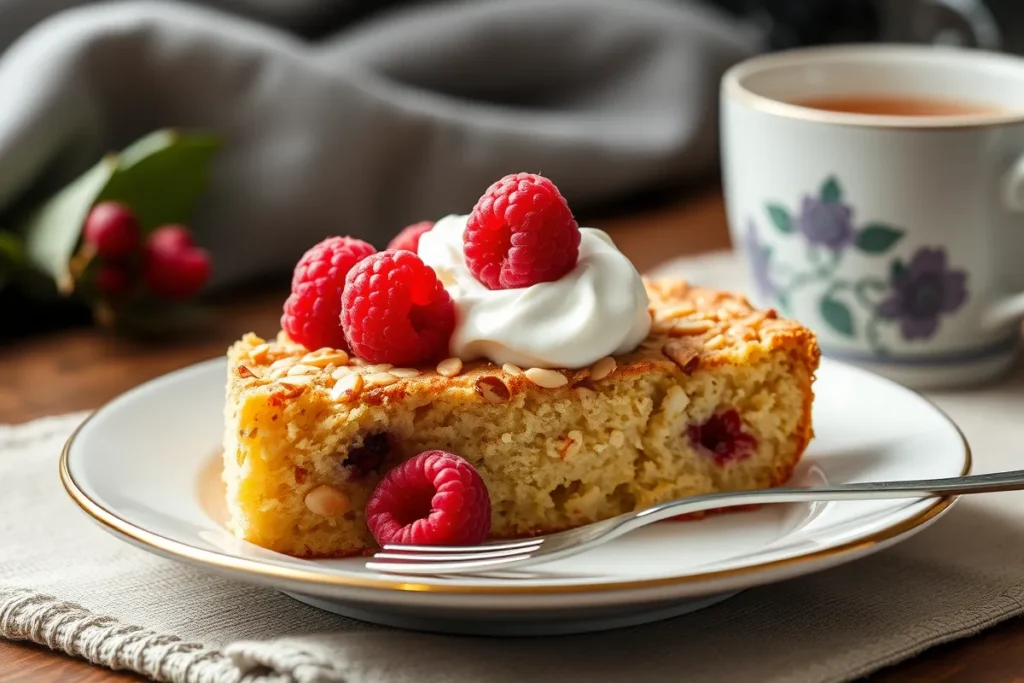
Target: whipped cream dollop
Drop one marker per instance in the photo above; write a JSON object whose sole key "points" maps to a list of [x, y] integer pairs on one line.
{"points": [[598, 309]]}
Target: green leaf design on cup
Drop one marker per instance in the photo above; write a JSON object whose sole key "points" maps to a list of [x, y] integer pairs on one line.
{"points": [[830, 191], [858, 301], [837, 315], [897, 269], [781, 219], [878, 238]]}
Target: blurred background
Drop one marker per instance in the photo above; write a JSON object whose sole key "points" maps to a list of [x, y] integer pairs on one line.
{"points": [[257, 127]]}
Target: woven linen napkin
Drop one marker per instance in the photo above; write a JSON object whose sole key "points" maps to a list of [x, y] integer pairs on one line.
{"points": [[69, 585]]}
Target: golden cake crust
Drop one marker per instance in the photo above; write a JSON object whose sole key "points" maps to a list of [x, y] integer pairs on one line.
{"points": [[701, 341], [692, 327]]}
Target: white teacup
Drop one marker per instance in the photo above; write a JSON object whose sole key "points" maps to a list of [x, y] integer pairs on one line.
{"points": [[899, 239]]}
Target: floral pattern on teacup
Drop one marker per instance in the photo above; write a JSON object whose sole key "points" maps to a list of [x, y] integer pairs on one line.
{"points": [[921, 292], [914, 294]]}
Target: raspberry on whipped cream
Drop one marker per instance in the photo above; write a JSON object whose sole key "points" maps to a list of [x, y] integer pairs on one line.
{"points": [[598, 309]]}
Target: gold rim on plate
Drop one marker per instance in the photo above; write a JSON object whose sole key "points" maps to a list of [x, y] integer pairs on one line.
{"points": [[224, 561]]}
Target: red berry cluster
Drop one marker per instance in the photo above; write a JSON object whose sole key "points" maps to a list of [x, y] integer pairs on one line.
{"points": [[390, 307], [386, 307], [171, 265]]}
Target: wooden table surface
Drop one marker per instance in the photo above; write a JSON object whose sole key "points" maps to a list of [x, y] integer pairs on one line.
{"points": [[83, 368]]}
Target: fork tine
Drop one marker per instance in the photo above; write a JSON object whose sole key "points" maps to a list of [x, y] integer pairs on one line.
{"points": [[504, 545], [451, 557], [443, 567]]}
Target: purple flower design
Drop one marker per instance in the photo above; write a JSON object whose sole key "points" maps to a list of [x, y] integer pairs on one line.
{"points": [[827, 224], [760, 256], [923, 291]]}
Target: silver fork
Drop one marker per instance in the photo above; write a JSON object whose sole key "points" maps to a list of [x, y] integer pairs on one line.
{"points": [[487, 557]]}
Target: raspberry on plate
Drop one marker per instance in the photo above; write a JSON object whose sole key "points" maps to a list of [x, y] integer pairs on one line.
{"points": [[434, 498], [409, 238], [395, 310], [520, 233], [312, 313]]}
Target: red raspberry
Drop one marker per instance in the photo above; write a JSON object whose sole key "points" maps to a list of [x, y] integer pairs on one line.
{"points": [[434, 498], [723, 436], [521, 232], [113, 280], [112, 230], [409, 238], [174, 268], [312, 314], [369, 457], [395, 310]]}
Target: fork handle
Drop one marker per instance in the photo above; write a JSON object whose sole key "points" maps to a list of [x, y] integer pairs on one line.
{"points": [[925, 488]]}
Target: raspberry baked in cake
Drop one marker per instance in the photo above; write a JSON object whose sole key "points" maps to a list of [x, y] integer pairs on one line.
{"points": [[499, 374]]}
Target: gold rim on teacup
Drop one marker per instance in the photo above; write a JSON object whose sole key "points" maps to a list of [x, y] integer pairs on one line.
{"points": [[734, 88]]}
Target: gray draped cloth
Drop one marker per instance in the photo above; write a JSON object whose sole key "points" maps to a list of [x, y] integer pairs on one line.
{"points": [[334, 125]]}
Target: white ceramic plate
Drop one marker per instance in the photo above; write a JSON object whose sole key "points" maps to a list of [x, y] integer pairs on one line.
{"points": [[145, 466]]}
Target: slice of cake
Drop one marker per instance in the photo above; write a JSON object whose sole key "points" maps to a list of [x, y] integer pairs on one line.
{"points": [[500, 374], [716, 398]]}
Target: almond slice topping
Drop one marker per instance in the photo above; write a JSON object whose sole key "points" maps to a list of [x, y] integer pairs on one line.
{"points": [[512, 369], [548, 379], [379, 379], [715, 343], [258, 353], [348, 387], [296, 380], [683, 353], [449, 367], [492, 389], [684, 328], [327, 501], [322, 358], [602, 368], [282, 364]]}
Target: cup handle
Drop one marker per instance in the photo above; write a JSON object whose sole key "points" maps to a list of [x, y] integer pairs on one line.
{"points": [[977, 23], [1010, 308], [1013, 186]]}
